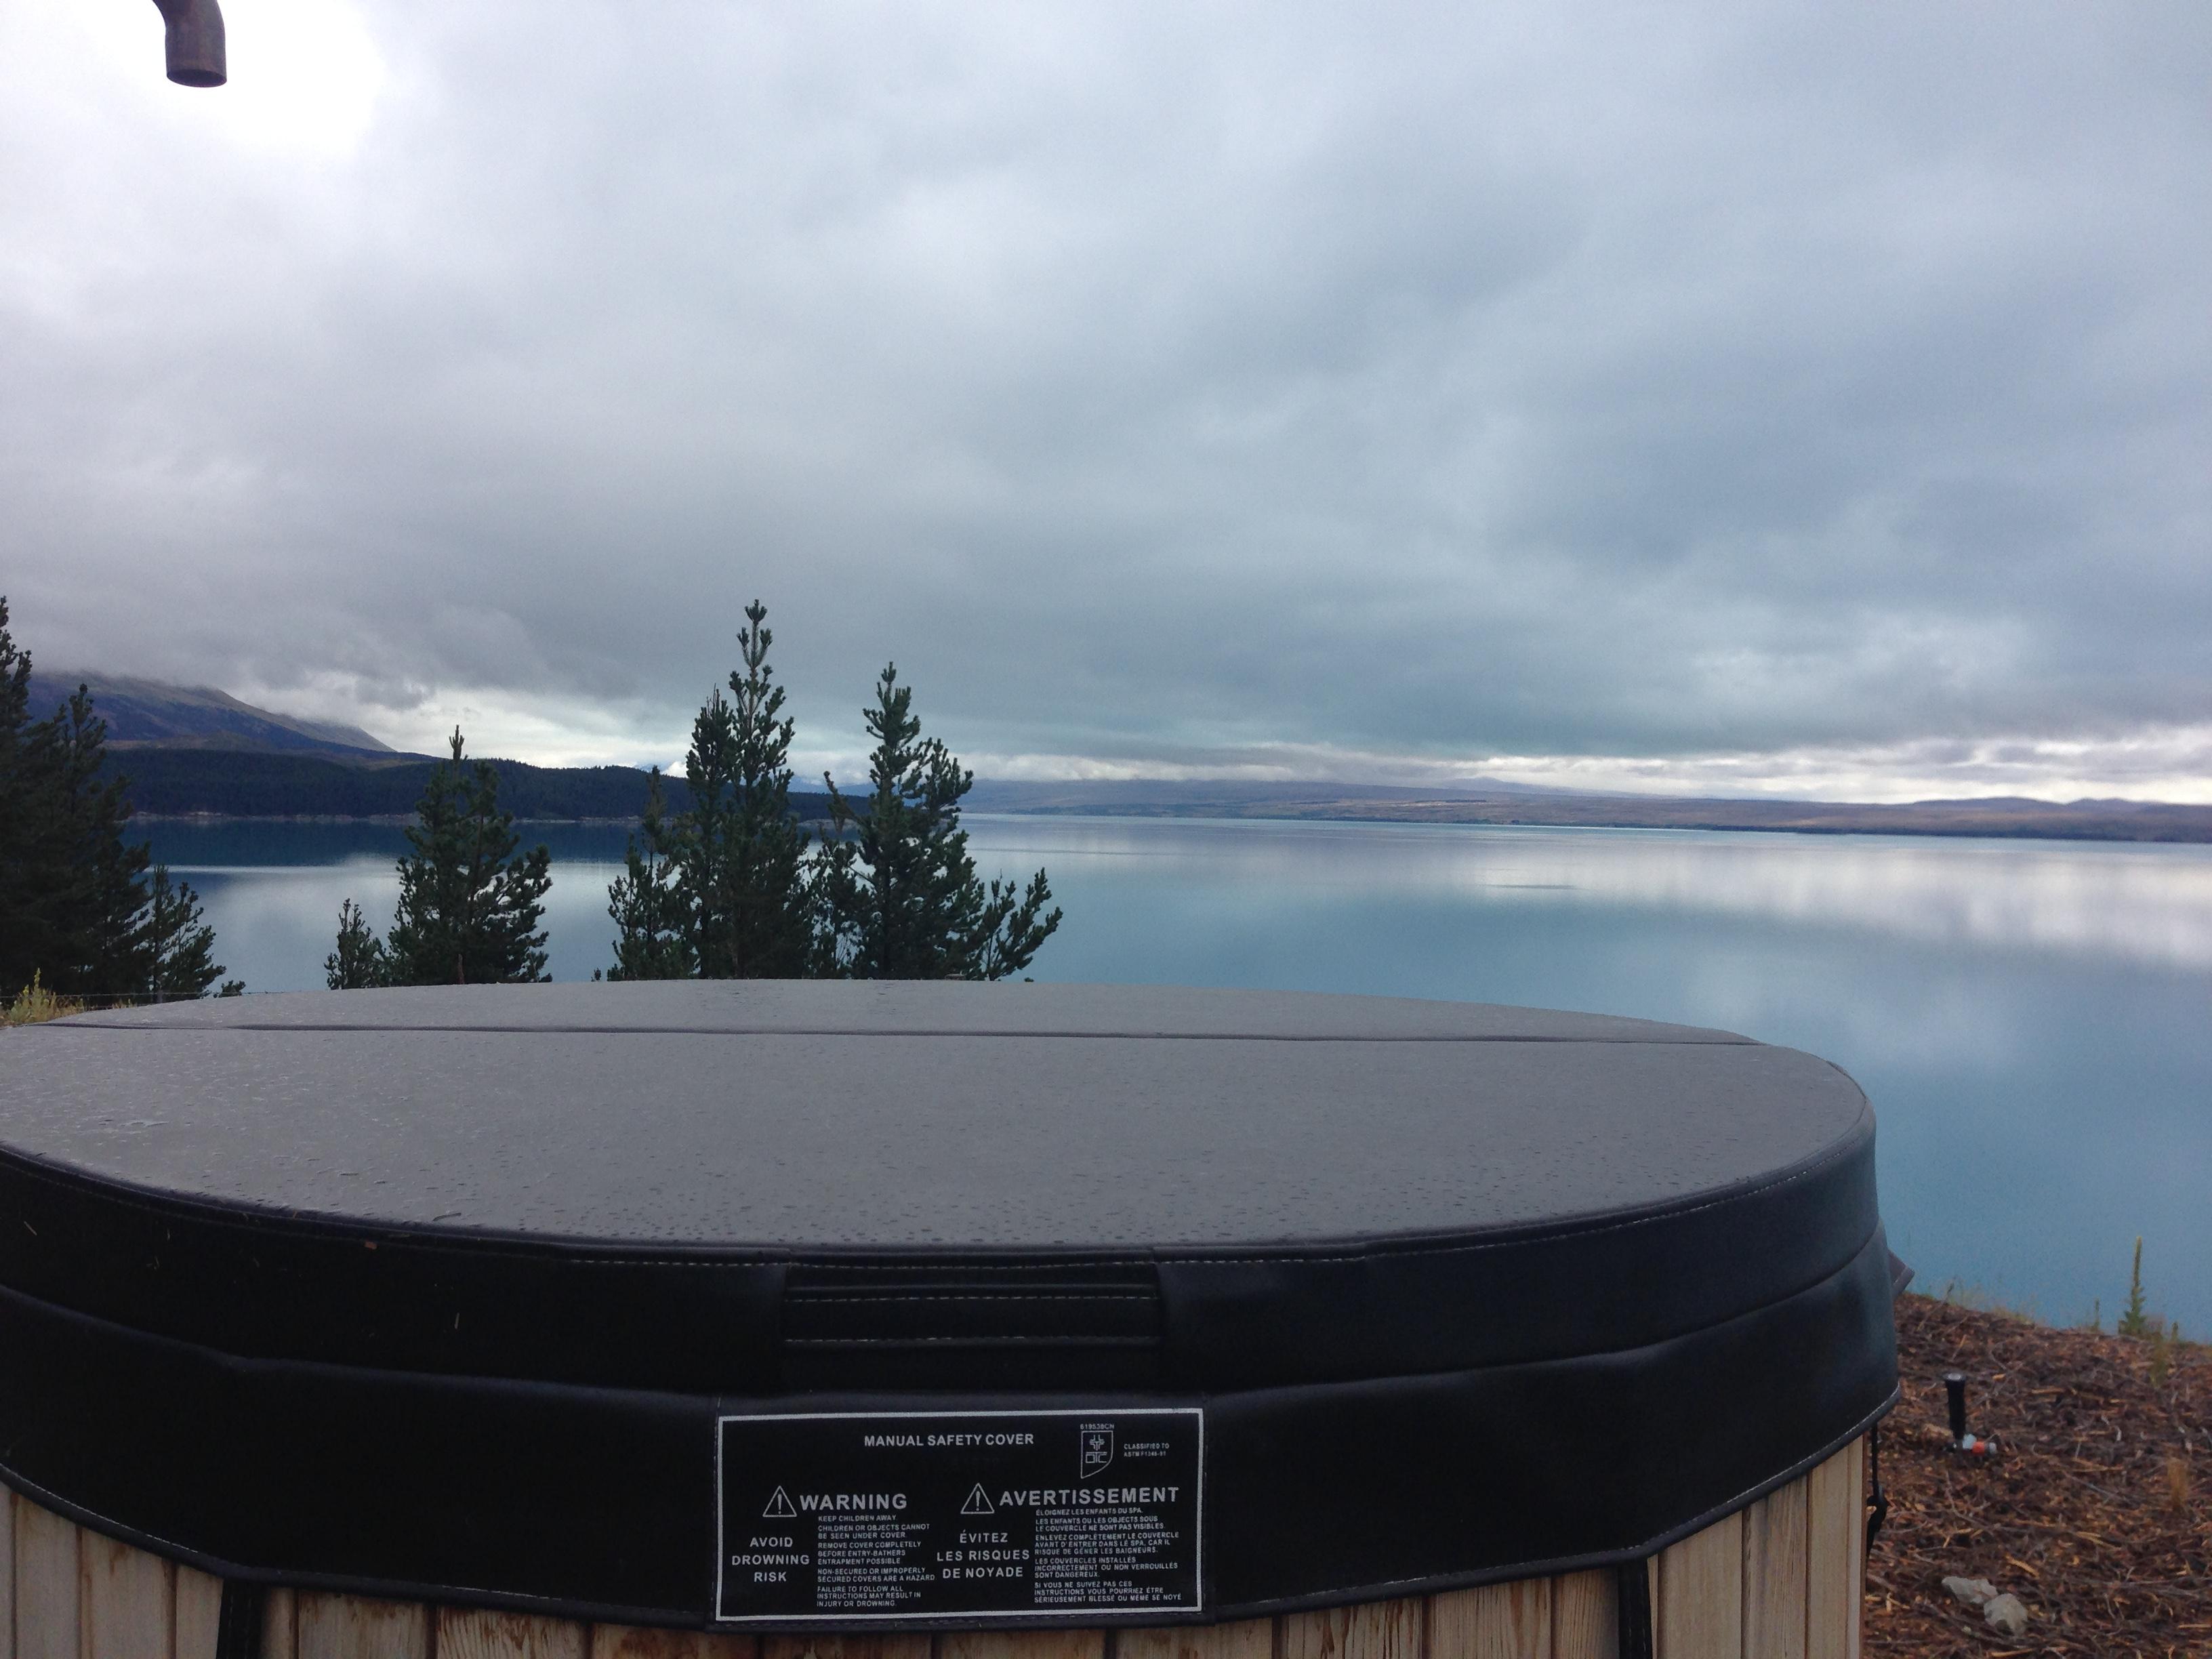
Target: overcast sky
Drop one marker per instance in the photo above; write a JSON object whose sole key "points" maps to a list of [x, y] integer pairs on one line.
{"points": [[1742, 397]]}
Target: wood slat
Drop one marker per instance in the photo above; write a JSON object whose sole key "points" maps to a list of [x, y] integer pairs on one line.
{"points": [[128, 1601], [1857, 1585], [912, 1646], [1774, 1575], [1373, 1630], [1585, 1616], [199, 1613], [641, 1642], [1783, 1581], [1497, 1621], [47, 1592], [1021, 1644], [1700, 1611], [279, 1626], [1247, 1638], [328, 1626], [1832, 1594], [7, 1501], [480, 1633]]}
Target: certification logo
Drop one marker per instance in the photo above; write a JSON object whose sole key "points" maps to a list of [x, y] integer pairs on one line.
{"points": [[1095, 1442]]}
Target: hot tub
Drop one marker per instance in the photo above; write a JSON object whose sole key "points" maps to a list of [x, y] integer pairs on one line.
{"points": [[999, 1319]]}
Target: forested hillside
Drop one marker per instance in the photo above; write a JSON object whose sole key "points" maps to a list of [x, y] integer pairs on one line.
{"points": [[176, 782]]}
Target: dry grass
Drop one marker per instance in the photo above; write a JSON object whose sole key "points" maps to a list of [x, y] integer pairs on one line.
{"points": [[35, 1004]]}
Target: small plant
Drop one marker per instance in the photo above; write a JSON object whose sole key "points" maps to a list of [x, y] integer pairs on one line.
{"points": [[2135, 1319], [2096, 1320], [2163, 1341], [361, 959], [37, 1003]]}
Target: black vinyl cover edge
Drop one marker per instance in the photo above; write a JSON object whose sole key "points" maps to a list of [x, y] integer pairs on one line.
{"points": [[1584, 1461], [279, 1285]]}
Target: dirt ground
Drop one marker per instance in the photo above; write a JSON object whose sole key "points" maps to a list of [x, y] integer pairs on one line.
{"points": [[2095, 1510]]}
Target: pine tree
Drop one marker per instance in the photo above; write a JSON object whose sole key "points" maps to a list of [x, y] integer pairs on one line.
{"points": [[359, 962], [899, 895], [23, 809], [470, 903], [73, 913], [722, 889], [78, 911], [179, 948], [651, 938], [741, 855], [86, 925]]}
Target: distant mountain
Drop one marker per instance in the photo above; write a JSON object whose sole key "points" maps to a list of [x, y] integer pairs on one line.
{"points": [[1183, 797], [2010, 817], [142, 713], [193, 750]]}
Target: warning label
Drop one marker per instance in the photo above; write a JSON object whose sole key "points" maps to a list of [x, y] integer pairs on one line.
{"points": [[981, 1515]]}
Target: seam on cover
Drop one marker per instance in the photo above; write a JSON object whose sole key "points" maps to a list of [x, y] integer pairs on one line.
{"points": [[1086, 1261], [1073, 1340], [1775, 1301], [801, 1293]]}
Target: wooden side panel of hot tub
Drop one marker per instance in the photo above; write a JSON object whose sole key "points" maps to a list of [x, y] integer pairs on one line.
{"points": [[1781, 1580], [7, 1574], [47, 1597]]}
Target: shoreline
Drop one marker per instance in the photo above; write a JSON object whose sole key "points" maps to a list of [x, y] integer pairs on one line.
{"points": [[1465, 814], [2159, 824]]}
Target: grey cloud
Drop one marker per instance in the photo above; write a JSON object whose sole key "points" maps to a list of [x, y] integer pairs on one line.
{"points": [[1153, 383]]}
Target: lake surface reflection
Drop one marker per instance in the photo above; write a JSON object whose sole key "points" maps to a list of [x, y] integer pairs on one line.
{"points": [[2031, 1019]]}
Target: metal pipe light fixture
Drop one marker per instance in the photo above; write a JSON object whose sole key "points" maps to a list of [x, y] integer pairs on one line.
{"points": [[195, 42]]}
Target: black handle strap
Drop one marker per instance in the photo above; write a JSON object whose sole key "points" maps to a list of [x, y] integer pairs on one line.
{"points": [[1634, 1578], [1878, 1511], [238, 1629]]}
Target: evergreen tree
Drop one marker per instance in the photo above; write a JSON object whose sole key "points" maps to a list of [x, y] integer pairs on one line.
{"points": [[19, 812], [24, 807], [77, 910], [722, 889], [899, 895], [740, 854], [469, 901], [651, 938], [360, 961], [179, 948], [82, 923]]}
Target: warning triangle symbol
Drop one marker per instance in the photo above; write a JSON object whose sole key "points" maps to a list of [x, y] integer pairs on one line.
{"points": [[979, 1502], [779, 1507]]}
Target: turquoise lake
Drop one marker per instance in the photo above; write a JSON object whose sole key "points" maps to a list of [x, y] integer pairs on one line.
{"points": [[2031, 1019]]}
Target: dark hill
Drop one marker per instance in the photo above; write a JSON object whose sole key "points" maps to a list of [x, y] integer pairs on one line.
{"points": [[141, 711], [173, 783]]}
